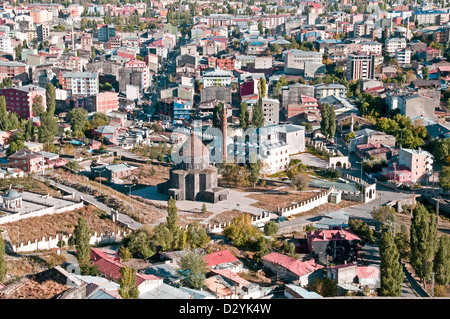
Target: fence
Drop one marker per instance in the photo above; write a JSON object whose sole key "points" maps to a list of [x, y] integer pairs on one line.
{"points": [[51, 243], [219, 227], [306, 205]]}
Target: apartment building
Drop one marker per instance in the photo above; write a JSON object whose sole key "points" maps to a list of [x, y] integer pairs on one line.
{"points": [[27, 160], [217, 77], [140, 66], [271, 109], [79, 83], [295, 60], [5, 44], [403, 56], [20, 99], [70, 62], [360, 66], [394, 44], [324, 90]]}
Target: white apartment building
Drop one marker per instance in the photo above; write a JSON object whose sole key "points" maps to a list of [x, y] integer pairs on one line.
{"points": [[324, 90], [403, 56], [271, 109], [372, 47], [217, 77], [5, 44], [80, 83], [394, 44]]}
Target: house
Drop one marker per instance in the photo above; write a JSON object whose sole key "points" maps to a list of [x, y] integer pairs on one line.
{"points": [[296, 292], [369, 276], [113, 171], [292, 270], [27, 160], [224, 259], [343, 274], [243, 288], [369, 136], [107, 132], [336, 246], [333, 220], [412, 166]]}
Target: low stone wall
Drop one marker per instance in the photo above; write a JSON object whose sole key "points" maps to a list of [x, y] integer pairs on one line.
{"points": [[51, 243], [219, 227], [306, 205]]}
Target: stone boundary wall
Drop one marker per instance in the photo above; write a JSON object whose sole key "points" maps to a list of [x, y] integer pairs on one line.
{"points": [[307, 204], [219, 227]]}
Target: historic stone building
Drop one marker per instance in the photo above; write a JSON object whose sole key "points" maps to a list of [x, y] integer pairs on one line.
{"points": [[193, 178]]}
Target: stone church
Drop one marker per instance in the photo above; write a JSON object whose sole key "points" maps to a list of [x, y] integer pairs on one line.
{"points": [[194, 178]]}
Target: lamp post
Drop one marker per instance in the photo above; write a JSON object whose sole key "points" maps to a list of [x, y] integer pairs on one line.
{"points": [[100, 172]]}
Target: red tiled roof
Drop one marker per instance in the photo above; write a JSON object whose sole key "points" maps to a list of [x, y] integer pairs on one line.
{"points": [[300, 268], [110, 267], [232, 276], [329, 235], [219, 257], [368, 272]]}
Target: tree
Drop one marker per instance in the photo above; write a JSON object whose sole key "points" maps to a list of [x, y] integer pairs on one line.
{"points": [[172, 215], [81, 237], [260, 27], [14, 146], [270, 228], [2, 260], [48, 128], [217, 115], [139, 243], [442, 261], [197, 235], [301, 181], [37, 106], [193, 269], [78, 118], [255, 167], [363, 231], [328, 123], [50, 99], [425, 73], [4, 119], [262, 87], [243, 115], [423, 235], [125, 253], [127, 282], [93, 52], [258, 115], [383, 214], [390, 268], [325, 287], [444, 177], [241, 231], [99, 119]]}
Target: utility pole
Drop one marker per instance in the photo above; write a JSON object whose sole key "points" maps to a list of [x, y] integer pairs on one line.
{"points": [[100, 172]]}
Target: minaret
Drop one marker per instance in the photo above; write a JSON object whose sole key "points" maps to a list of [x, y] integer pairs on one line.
{"points": [[73, 40], [352, 122], [224, 133]]}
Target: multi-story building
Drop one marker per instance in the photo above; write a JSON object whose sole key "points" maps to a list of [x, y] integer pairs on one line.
{"points": [[86, 42], [140, 66], [403, 56], [38, 16], [217, 77], [103, 102], [360, 66], [413, 166], [106, 32], [42, 32], [324, 90], [271, 109], [394, 44], [293, 93], [27, 160], [20, 99], [79, 83], [428, 17], [70, 62], [295, 60], [5, 44], [372, 47]]}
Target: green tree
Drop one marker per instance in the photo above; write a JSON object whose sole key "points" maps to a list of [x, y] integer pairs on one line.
{"points": [[425, 73], [163, 237], [197, 235], [363, 231], [260, 27], [93, 53], [193, 269], [172, 215], [258, 115], [255, 167], [81, 237], [48, 128], [441, 261], [390, 268], [125, 253], [444, 177], [127, 282], [270, 228], [37, 106], [262, 87], [50, 98], [139, 243], [99, 119], [423, 239], [14, 146], [3, 269], [217, 115], [325, 287], [243, 115], [78, 118], [241, 231]]}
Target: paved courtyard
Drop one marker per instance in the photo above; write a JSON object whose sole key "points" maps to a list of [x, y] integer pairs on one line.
{"points": [[310, 160]]}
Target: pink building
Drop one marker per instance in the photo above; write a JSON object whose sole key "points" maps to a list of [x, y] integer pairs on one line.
{"points": [[140, 66], [20, 99], [106, 102]]}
